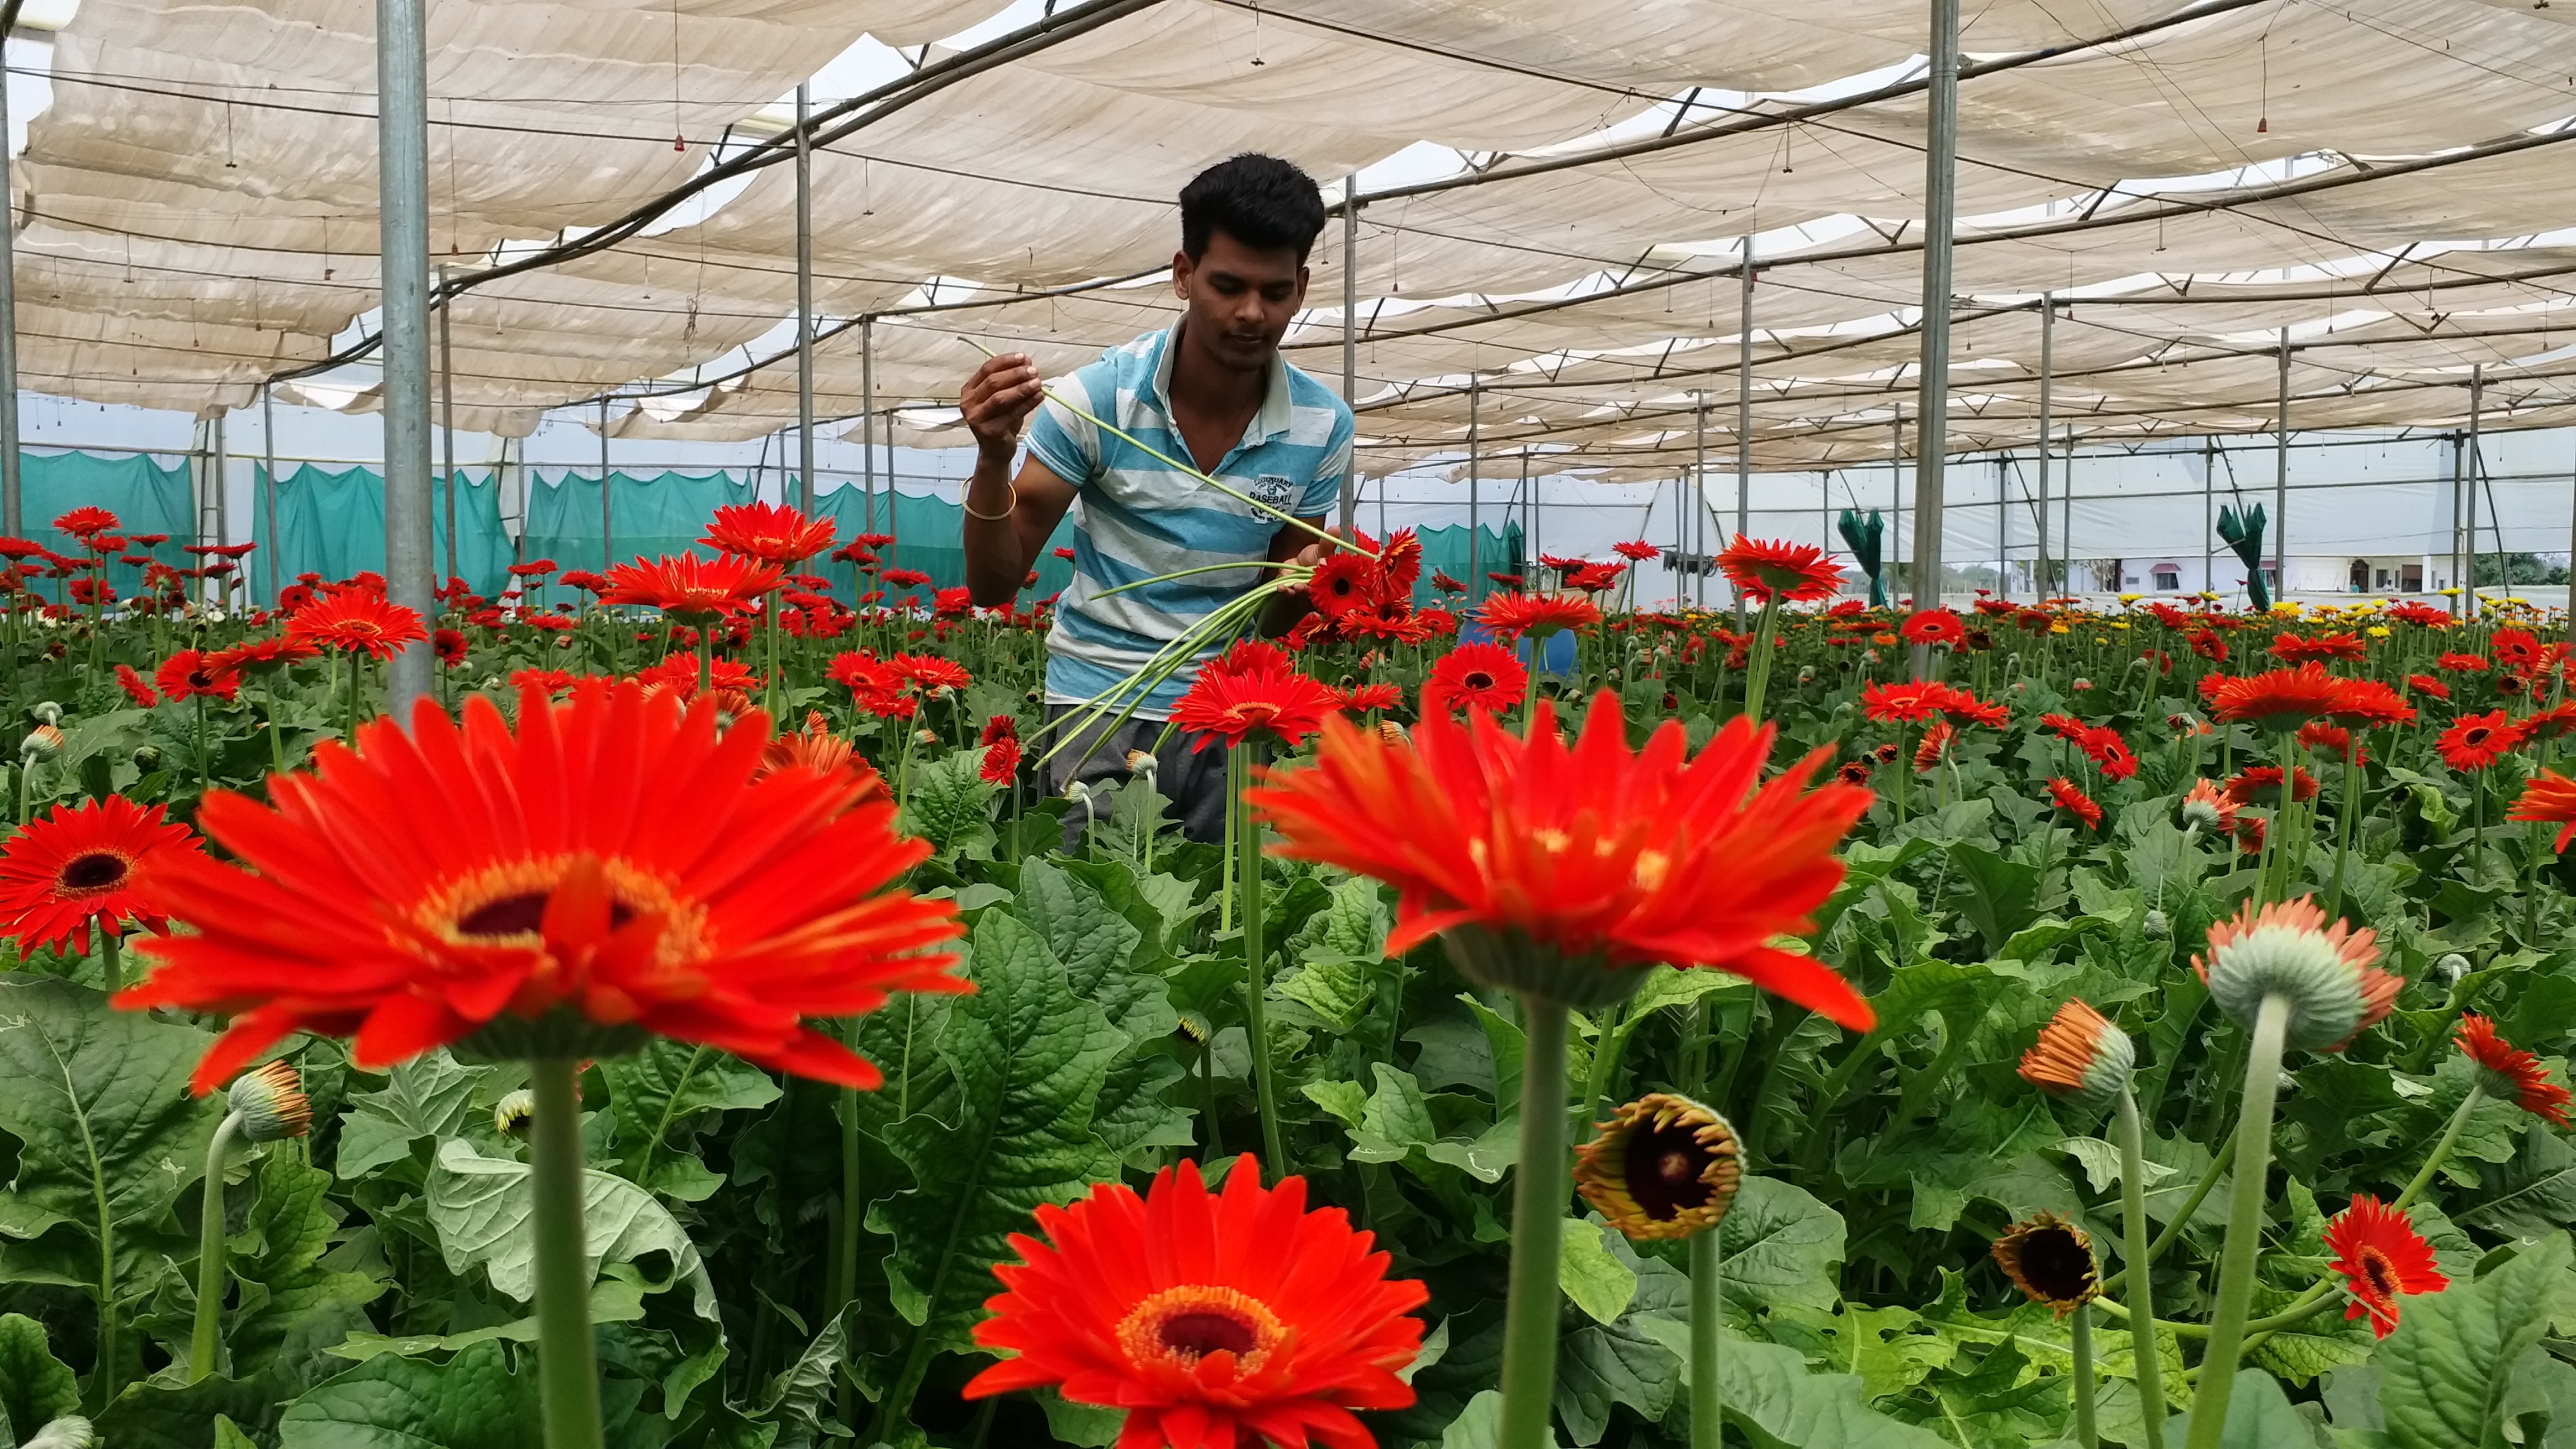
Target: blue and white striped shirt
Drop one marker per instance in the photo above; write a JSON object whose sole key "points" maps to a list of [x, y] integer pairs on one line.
{"points": [[1136, 517]]}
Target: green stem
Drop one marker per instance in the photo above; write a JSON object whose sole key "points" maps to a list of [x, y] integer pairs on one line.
{"points": [[2349, 807], [845, 1263], [357, 669], [1757, 670], [202, 782], [2244, 1223], [2141, 1305], [2086, 1434], [1239, 763], [1604, 1062], [1538, 1221], [204, 1335], [567, 1355], [111, 964], [2442, 1149], [706, 656], [1706, 1322]]}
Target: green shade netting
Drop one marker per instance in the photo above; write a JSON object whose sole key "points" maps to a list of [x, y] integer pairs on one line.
{"points": [[647, 516], [332, 523], [146, 494], [1444, 550]]}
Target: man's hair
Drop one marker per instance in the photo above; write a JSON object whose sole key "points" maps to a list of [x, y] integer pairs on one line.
{"points": [[1260, 201]]}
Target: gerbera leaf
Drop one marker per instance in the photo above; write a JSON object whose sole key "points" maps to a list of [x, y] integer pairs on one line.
{"points": [[392, 1400], [2444, 1372], [481, 1206]]}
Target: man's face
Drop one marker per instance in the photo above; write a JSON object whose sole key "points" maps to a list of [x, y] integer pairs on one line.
{"points": [[1240, 300]]}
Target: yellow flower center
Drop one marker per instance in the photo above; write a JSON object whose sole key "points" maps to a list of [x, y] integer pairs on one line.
{"points": [[1178, 1327], [504, 904]]}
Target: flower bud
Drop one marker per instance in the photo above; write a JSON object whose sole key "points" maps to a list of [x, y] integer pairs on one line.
{"points": [[42, 743], [2050, 1260], [1142, 762], [71, 1431], [48, 713], [512, 1114], [2453, 966], [2329, 976], [2080, 1056], [272, 1104], [2155, 927], [1663, 1167]]}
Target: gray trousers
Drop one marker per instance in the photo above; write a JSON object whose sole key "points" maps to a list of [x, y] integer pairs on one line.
{"points": [[1193, 780]]}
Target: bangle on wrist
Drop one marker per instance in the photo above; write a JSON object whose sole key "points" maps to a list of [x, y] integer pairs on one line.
{"points": [[965, 501]]}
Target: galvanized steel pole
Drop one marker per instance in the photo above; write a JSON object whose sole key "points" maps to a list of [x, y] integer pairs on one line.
{"points": [[402, 168], [268, 492], [2047, 401], [868, 430], [1475, 575], [447, 422], [607, 531], [11, 520], [2470, 472], [1940, 179], [2281, 476], [1744, 407], [804, 308]]}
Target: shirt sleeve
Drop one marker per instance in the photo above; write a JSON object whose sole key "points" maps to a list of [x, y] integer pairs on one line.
{"points": [[1064, 441], [1324, 490]]}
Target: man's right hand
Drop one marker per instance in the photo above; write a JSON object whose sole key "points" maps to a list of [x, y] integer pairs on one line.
{"points": [[998, 399]]}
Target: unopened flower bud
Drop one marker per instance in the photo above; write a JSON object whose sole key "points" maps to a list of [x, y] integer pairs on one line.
{"points": [[1662, 1167], [512, 1114], [2050, 1260], [925, 737], [2155, 927], [48, 713], [2329, 976], [1196, 1029], [71, 1431], [272, 1104], [2080, 1055], [1142, 762], [42, 743], [2453, 966]]}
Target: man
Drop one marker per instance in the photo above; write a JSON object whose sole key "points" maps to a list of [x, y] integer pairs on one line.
{"points": [[1212, 389]]}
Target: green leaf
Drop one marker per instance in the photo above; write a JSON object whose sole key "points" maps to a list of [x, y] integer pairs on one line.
{"points": [[35, 1386], [481, 1206], [663, 1096], [1603, 1365], [472, 1401], [1778, 1244], [228, 1435], [1099, 947], [1480, 1425], [1766, 1390], [2101, 1163], [2532, 1196], [1881, 1345], [1011, 1129], [2259, 1416], [292, 1310], [2445, 1371], [1599, 1284], [110, 1133], [2002, 895], [1085, 1426], [425, 1098], [153, 1415], [951, 806]]}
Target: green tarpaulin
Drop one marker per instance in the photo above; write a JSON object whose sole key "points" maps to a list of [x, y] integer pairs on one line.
{"points": [[147, 495], [332, 522]]}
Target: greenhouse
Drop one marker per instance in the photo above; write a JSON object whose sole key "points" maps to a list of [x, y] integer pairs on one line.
{"points": [[1247, 724]]}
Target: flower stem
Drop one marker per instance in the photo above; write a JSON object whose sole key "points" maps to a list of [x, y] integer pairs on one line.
{"points": [[203, 1335], [2441, 1149], [1757, 671], [706, 655], [1239, 762], [2347, 808], [845, 1262], [2244, 1223], [111, 964], [1706, 1319], [2086, 1434], [567, 1356], [2142, 1307], [1538, 1212]]}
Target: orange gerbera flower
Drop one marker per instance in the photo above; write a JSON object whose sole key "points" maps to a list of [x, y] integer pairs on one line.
{"points": [[610, 869], [1239, 1319], [2476, 741], [692, 589], [2550, 797], [1514, 614], [1551, 868], [1479, 676], [2329, 974], [1793, 572], [357, 621], [2514, 1072], [2381, 1257], [2279, 700], [768, 532], [2068, 796], [1251, 689], [82, 864], [2080, 1054]]}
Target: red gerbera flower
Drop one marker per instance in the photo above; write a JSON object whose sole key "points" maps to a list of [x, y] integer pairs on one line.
{"points": [[440, 878], [2279, 700], [2261, 785], [2292, 649], [357, 621], [2327, 739], [2463, 663], [2550, 797], [1230, 1320], [2381, 1257], [2476, 741], [1249, 689], [1602, 859], [2069, 797], [2513, 1072], [1793, 572], [1342, 583], [1511, 615], [1479, 676], [134, 687], [79, 864], [450, 646], [1360, 698], [2369, 704], [2515, 649], [692, 589], [192, 672], [1905, 703], [2429, 685], [1637, 550], [2109, 753], [2207, 645], [1001, 760], [83, 523], [260, 656], [1446, 584], [1934, 626], [545, 681], [769, 532]]}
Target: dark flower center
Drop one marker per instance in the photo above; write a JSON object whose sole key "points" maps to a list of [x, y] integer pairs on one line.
{"points": [[2381, 1272], [2058, 1267], [94, 872], [2476, 736], [1194, 1336], [525, 915], [1479, 679], [1664, 1167]]}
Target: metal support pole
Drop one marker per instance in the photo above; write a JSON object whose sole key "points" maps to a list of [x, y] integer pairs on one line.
{"points": [[447, 423], [1743, 405], [2066, 511], [2003, 529], [2571, 555], [607, 534], [1475, 417], [12, 521], [2047, 402], [268, 490], [2458, 442], [2470, 471], [2208, 512], [804, 308], [1350, 338], [1940, 180], [2281, 477], [868, 430], [223, 463], [402, 157], [1895, 498], [1699, 476]]}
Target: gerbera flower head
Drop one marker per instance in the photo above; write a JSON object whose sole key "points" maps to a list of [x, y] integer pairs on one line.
{"points": [[1477, 676], [1343, 583], [606, 871], [2477, 741], [768, 532], [357, 621], [86, 522], [1637, 551], [2550, 797], [2068, 796], [2295, 649], [1511, 615], [134, 687], [2369, 704], [691, 589], [1361, 698], [2463, 663], [192, 672], [2261, 785], [1905, 702], [2427, 684], [1001, 762], [1934, 626], [1663, 1167], [2279, 700], [2080, 1055], [2509, 1071], [2109, 753], [2051, 1261], [75, 865], [2329, 975], [270, 1098], [2208, 809], [2382, 1258], [1556, 869], [1251, 691], [1213, 1319], [1794, 573], [2515, 649]]}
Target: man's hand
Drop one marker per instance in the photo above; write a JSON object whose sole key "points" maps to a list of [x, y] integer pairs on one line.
{"points": [[997, 402]]}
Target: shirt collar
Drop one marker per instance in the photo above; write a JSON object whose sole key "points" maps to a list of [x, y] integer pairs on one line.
{"points": [[1274, 416]]}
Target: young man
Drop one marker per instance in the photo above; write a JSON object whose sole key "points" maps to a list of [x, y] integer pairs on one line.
{"points": [[1214, 390]]}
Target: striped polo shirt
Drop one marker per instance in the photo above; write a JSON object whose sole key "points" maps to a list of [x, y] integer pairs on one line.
{"points": [[1135, 517]]}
